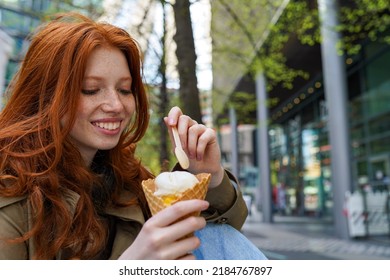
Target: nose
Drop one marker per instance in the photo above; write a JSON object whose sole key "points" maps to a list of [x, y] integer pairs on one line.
{"points": [[112, 101]]}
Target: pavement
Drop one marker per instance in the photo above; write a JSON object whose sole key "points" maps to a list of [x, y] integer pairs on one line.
{"points": [[310, 238]]}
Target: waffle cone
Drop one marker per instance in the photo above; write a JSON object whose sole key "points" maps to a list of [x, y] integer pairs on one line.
{"points": [[157, 203]]}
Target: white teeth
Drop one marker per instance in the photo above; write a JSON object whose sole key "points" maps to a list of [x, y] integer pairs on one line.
{"points": [[108, 125]]}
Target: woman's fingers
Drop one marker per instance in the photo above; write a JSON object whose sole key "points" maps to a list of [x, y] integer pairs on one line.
{"points": [[175, 222], [166, 233], [174, 232], [181, 249], [199, 138], [173, 116], [199, 142], [178, 210], [194, 137], [187, 257], [185, 227]]}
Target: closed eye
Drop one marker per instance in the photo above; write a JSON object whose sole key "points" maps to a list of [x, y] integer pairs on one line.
{"points": [[89, 91], [125, 91]]}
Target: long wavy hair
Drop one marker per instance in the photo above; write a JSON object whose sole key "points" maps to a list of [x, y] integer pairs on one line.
{"points": [[37, 158]]}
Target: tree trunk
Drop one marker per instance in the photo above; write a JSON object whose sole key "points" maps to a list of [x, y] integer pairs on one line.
{"points": [[186, 56], [164, 100]]}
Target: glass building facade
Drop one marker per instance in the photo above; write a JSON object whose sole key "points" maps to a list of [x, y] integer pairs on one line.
{"points": [[300, 148], [18, 18]]}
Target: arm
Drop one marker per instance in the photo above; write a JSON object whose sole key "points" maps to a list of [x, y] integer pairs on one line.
{"points": [[201, 145], [226, 203], [164, 236]]}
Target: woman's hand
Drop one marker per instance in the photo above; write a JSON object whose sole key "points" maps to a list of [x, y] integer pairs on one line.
{"points": [[200, 144], [163, 236]]}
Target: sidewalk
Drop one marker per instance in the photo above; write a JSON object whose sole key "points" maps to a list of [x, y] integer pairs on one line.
{"points": [[305, 238]]}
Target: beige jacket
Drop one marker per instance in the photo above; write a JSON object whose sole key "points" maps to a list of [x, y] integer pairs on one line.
{"points": [[226, 206]]}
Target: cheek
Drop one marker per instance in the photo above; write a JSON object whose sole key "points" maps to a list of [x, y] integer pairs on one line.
{"points": [[129, 105], [83, 109], [130, 109]]}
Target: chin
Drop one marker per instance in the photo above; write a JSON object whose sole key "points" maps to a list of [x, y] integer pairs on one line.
{"points": [[107, 146]]}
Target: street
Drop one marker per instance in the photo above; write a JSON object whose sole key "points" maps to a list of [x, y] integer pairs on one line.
{"points": [[309, 238]]}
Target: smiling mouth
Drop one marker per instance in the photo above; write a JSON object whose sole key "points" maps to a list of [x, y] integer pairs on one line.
{"points": [[107, 125]]}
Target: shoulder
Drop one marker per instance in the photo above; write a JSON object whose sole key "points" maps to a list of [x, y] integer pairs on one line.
{"points": [[7, 201], [13, 224], [13, 211], [13, 215]]}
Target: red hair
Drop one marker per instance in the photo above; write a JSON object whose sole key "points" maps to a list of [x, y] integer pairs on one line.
{"points": [[36, 157]]}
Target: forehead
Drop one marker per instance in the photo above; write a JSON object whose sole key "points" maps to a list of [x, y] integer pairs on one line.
{"points": [[104, 61]]}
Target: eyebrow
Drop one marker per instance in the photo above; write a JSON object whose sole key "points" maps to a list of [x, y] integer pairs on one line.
{"points": [[99, 78]]}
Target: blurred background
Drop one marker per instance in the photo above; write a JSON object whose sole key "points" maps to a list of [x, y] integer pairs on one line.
{"points": [[298, 92]]}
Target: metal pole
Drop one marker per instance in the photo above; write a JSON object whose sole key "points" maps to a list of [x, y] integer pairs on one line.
{"points": [[234, 141], [263, 149], [337, 99]]}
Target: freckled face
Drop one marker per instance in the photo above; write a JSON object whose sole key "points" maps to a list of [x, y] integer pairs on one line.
{"points": [[106, 103]]}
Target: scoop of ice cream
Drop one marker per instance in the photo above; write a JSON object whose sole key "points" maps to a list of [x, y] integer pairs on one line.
{"points": [[168, 183]]}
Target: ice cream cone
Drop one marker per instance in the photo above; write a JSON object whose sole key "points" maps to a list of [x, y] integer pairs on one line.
{"points": [[157, 203]]}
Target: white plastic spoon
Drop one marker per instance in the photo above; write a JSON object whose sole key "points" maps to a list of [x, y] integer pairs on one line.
{"points": [[179, 152]]}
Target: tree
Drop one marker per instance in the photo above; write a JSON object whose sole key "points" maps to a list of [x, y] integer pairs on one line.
{"points": [[364, 20], [164, 98], [258, 35], [186, 56]]}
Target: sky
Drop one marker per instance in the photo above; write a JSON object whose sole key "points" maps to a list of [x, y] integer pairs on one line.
{"points": [[201, 17]]}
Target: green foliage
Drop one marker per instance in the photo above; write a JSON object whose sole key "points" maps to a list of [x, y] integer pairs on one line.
{"points": [[297, 20], [365, 20], [250, 48], [277, 72], [245, 105]]}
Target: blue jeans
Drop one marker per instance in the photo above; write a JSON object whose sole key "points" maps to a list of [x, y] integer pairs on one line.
{"points": [[223, 242]]}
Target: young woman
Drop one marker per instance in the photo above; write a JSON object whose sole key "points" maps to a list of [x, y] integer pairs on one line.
{"points": [[70, 185]]}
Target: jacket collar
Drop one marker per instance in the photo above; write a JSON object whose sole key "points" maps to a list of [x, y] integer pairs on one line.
{"points": [[5, 201], [129, 213]]}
